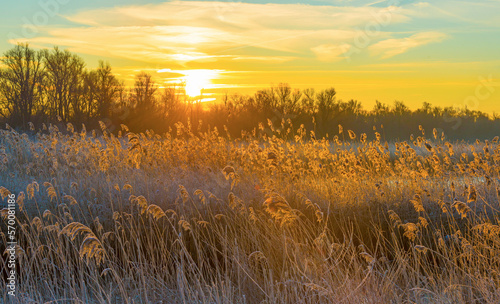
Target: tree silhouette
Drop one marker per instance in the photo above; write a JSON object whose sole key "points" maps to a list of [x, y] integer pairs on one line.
{"points": [[106, 89], [21, 84], [50, 84], [144, 92], [326, 107], [65, 75]]}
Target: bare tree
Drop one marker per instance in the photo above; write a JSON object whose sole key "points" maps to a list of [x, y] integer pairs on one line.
{"points": [[400, 108], [380, 109], [326, 107], [89, 95], [107, 87], [144, 93], [65, 73], [21, 83], [287, 100], [172, 106]]}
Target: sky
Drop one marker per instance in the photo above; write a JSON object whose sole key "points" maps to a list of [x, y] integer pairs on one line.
{"points": [[443, 52]]}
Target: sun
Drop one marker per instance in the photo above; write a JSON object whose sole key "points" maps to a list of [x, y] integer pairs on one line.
{"points": [[198, 80]]}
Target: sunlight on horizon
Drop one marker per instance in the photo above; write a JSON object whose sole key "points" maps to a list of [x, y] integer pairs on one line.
{"points": [[196, 81]]}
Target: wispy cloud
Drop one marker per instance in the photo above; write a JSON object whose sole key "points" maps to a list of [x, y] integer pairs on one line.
{"points": [[422, 4], [180, 32], [462, 13], [392, 47], [469, 65], [331, 52]]}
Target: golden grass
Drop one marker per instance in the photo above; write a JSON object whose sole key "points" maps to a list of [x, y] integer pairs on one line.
{"points": [[270, 218]]}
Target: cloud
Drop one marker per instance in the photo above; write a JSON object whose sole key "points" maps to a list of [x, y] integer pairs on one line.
{"points": [[184, 32], [392, 47], [461, 14], [422, 4], [331, 52], [278, 59]]}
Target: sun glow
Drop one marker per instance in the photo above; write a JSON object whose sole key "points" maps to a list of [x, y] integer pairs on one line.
{"points": [[198, 80]]}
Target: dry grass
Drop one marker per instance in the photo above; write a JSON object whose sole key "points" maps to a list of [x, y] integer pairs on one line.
{"points": [[203, 218]]}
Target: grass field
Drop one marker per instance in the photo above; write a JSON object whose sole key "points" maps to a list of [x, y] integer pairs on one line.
{"points": [[273, 217]]}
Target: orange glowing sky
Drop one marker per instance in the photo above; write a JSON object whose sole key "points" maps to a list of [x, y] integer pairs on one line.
{"points": [[446, 53]]}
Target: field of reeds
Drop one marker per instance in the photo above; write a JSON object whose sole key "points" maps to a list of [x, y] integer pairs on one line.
{"points": [[275, 216]]}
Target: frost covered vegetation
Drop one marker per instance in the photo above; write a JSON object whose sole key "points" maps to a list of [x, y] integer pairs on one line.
{"points": [[277, 216]]}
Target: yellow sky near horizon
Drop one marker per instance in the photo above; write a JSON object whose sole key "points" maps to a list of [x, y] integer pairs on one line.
{"points": [[444, 53]]}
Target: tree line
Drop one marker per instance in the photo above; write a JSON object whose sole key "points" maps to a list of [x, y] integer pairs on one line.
{"points": [[42, 86]]}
